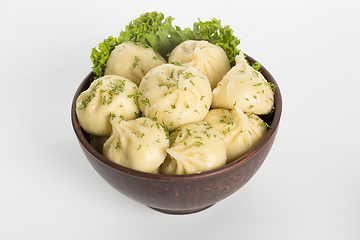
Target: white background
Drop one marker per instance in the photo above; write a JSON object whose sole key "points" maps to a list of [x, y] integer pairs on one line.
{"points": [[308, 188]]}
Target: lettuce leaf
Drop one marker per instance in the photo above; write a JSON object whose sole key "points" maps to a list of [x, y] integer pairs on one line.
{"points": [[154, 30], [158, 32], [213, 32], [151, 29], [100, 55]]}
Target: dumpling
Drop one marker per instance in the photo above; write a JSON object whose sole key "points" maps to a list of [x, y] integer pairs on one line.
{"points": [[209, 58], [107, 97], [175, 95], [240, 131], [139, 144], [244, 87], [195, 148], [132, 60]]}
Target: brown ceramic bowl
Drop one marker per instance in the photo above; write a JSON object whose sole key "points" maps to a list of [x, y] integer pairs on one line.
{"points": [[180, 194]]}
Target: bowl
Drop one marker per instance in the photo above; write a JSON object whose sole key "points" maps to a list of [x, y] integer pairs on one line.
{"points": [[180, 194]]}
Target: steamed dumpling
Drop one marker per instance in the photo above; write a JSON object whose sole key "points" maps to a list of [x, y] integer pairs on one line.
{"points": [[175, 95], [138, 144], [244, 87], [196, 147], [132, 60], [209, 58], [240, 131], [107, 97]]}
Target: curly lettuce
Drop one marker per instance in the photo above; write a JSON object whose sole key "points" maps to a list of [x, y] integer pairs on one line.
{"points": [[154, 30], [151, 29], [217, 34], [158, 32], [100, 55]]}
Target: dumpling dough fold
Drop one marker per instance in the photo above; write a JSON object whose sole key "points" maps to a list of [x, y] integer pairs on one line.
{"points": [[207, 57], [132, 60], [175, 95], [244, 87], [139, 144], [196, 147], [107, 97], [240, 131]]}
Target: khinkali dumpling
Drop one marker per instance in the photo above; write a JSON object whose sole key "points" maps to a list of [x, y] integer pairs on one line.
{"points": [[209, 58], [196, 147], [175, 95], [138, 144], [244, 87], [132, 60], [107, 97], [240, 131]]}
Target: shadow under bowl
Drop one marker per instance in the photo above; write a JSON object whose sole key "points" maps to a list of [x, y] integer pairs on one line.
{"points": [[181, 194]]}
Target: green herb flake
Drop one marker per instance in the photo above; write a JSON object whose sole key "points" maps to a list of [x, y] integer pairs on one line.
{"points": [[199, 144], [117, 87], [172, 73], [84, 103], [271, 85], [118, 145], [256, 66], [136, 61], [107, 101], [146, 101], [112, 115], [264, 124], [188, 131], [176, 63]]}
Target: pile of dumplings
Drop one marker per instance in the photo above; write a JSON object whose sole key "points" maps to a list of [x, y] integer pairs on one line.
{"points": [[190, 114]]}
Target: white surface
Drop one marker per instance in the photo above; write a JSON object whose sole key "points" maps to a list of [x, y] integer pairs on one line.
{"points": [[308, 188]]}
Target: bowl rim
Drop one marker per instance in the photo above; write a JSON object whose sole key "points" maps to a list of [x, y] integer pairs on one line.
{"points": [[165, 177]]}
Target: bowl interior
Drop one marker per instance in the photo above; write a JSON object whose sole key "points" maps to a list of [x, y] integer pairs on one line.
{"points": [[272, 119]]}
